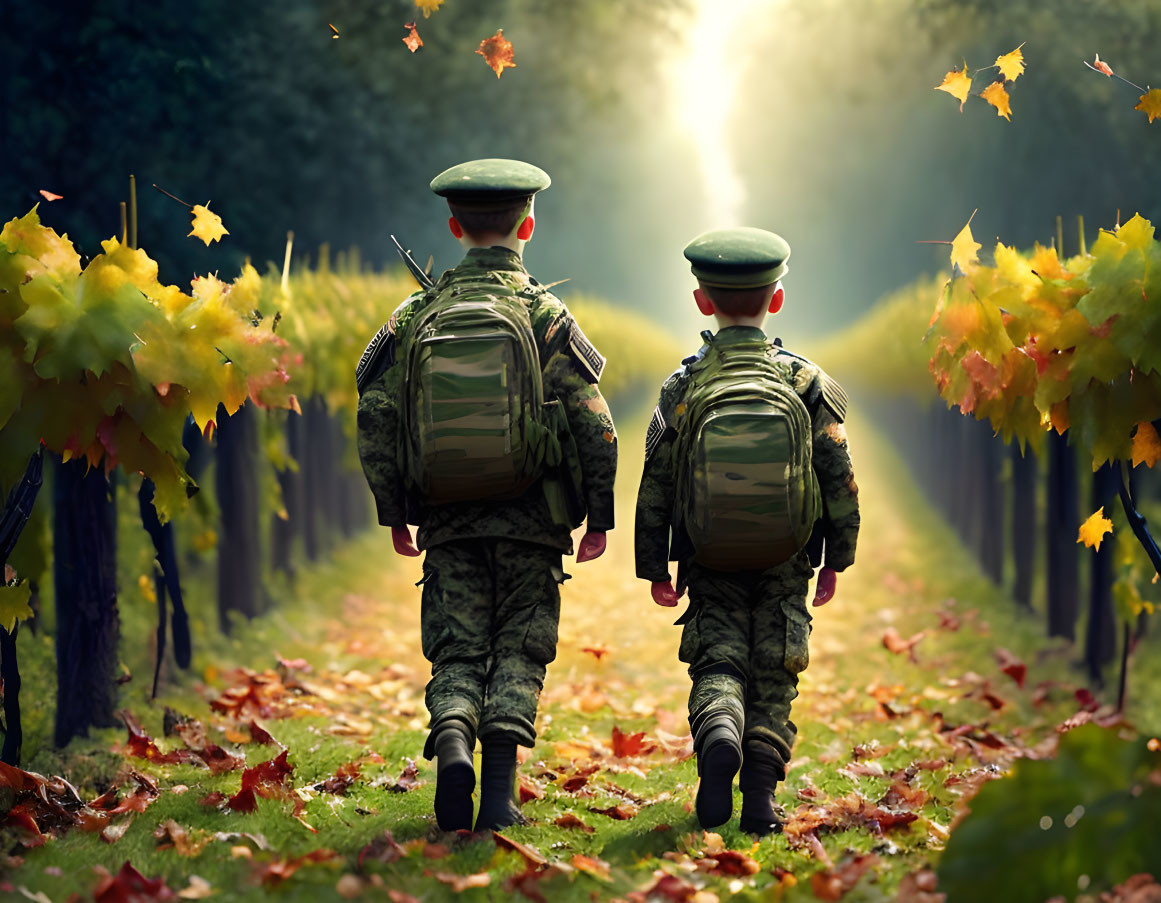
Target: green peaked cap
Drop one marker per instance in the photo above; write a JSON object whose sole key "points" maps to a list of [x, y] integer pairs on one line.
{"points": [[490, 180], [738, 258]]}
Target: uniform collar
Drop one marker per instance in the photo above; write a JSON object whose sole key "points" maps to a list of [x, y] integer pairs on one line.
{"points": [[493, 258], [731, 334]]}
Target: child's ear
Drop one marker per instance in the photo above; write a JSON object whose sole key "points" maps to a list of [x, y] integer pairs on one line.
{"points": [[776, 300], [456, 229], [704, 304], [526, 228]]}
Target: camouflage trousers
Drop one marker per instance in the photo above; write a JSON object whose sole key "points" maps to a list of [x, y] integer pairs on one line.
{"points": [[489, 622], [745, 641]]}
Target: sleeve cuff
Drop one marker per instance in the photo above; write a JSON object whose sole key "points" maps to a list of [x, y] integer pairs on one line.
{"points": [[389, 515], [600, 515]]}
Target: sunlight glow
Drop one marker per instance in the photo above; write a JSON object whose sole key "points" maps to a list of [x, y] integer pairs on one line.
{"points": [[704, 85]]}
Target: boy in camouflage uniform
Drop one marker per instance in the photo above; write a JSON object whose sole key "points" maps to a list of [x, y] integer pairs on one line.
{"points": [[745, 632], [493, 569]]}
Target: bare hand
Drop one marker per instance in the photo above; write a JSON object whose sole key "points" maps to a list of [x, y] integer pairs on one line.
{"points": [[592, 545], [401, 539], [824, 591], [664, 593]]}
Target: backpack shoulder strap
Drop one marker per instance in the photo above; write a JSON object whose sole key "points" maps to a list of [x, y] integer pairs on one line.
{"points": [[815, 386]]}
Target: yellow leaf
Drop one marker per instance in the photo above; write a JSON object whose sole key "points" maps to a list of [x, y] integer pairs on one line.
{"points": [[965, 249], [14, 605], [207, 225], [1093, 530], [428, 6], [958, 84], [1011, 65], [1150, 104], [1146, 445], [998, 98]]}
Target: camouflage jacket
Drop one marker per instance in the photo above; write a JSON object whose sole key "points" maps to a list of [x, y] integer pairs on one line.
{"points": [[569, 374], [655, 519]]}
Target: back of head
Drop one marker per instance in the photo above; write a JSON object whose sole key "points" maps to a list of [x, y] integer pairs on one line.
{"points": [[490, 197]]}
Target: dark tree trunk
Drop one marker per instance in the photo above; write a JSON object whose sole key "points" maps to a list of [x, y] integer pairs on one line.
{"points": [[1063, 522], [1101, 634], [990, 530], [312, 477], [1024, 522], [239, 552], [85, 572], [283, 532], [10, 674]]}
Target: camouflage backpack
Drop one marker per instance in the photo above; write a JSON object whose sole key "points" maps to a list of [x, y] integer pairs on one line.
{"points": [[746, 489], [472, 410]]}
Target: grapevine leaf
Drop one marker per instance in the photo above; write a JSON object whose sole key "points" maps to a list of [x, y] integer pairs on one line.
{"points": [[958, 84], [997, 96], [412, 38], [1146, 445], [1150, 104], [14, 604], [1011, 65], [428, 6], [497, 52], [965, 249], [11, 385], [207, 225], [1101, 66], [1093, 530]]}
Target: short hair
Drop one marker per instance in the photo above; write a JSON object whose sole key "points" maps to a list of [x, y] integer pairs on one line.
{"points": [[495, 218], [739, 302]]}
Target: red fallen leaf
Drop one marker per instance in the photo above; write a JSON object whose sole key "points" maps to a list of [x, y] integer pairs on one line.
{"points": [[901, 795], [833, 884], [294, 664], [276, 872], [460, 883], [259, 734], [948, 621], [343, 778], [897, 645], [568, 820], [497, 52], [864, 751], [213, 798], [627, 745], [141, 745], [20, 816], [574, 783], [1011, 666], [130, 886], [1088, 702], [436, 851], [527, 884], [862, 770], [412, 38], [667, 887], [920, 887], [382, 849], [49, 196], [993, 700], [533, 856], [734, 864], [596, 651], [1084, 716], [619, 812], [529, 790], [408, 778], [264, 779], [590, 865]]}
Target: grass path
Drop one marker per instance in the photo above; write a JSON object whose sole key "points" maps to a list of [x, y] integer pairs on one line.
{"points": [[889, 742]]}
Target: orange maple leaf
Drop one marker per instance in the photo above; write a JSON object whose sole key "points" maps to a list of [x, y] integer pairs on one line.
{"points": [[49, 196], [412, 38], [497, 52], [958, 84], [998, 98], [1101, 66], [1150, 104], [1093, 530], [1146, 445]]}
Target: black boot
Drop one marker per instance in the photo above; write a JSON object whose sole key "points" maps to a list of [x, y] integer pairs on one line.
{"points": [[497, 775], [762, 769], [719, 755], [454, 777]]}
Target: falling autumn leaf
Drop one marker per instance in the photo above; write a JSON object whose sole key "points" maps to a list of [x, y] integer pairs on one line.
{"points": [[49, 196], [335, 30], [1146, 445], [497, 52], [1101, 66], [428, 6], [207, 225], [412, 38], [965, 249], [1093, 530], [998, 98], [1011, 65], [958, 84], [1150, 104]]}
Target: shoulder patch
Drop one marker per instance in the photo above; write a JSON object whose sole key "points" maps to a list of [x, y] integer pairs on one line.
{"points": [[590, 362], [654, 433], [833, 397], [377, 357]]}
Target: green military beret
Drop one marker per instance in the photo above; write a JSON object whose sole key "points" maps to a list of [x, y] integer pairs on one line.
{"points": [[738, 258], [489, 181]]}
